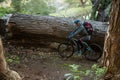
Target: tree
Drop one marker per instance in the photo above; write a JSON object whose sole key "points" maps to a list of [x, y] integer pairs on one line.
{"points": [[99, 8], [5, 72], [111, 56]]}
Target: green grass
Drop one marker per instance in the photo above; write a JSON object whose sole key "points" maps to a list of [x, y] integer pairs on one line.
{"points": [[73, 12]]}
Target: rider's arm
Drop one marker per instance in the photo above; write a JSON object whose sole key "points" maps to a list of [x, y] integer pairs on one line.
{"points": [[78, 30]]}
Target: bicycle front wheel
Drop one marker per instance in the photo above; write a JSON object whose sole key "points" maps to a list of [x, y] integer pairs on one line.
{"points": [[65, 50]]}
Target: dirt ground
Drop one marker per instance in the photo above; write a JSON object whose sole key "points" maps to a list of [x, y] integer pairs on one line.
{"points": [[43, 63]]}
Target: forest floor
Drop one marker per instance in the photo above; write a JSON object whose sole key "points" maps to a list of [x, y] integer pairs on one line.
{"points": [[42, 63]]}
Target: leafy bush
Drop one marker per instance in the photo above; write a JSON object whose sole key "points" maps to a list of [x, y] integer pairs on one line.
{"points": [[5, 10], [12, 58], [78, 73], [1, 0]]}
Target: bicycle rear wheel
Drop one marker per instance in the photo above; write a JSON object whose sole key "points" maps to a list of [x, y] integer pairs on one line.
{"points": [[95, 53], [65, 50]]}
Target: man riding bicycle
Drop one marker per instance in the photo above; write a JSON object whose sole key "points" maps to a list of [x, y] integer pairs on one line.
{"points": [[78, 46], [85, 30]]}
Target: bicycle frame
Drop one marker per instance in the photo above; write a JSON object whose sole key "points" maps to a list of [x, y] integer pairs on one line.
{"points": [[71, 45], [74, 42]]}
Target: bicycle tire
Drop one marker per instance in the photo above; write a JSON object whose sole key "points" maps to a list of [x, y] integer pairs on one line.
{"points": [[66, 52], [95, 53]]}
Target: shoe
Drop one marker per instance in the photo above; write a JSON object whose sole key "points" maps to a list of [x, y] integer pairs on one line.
{"points": [[88, 48]]}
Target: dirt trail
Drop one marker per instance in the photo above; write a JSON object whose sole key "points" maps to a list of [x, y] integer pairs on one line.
{"points": [[43, 64], [47, 68]]}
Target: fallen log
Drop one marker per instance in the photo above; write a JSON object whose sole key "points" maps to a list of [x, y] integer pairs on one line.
{"points": [[34, 29]]}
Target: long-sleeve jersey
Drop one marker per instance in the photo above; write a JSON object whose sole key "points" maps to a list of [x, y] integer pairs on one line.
{"points": [[80, 30]]}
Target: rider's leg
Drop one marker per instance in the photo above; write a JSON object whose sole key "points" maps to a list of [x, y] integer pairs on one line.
{"points": [[83, 39], [79, 43], [79, 46]]}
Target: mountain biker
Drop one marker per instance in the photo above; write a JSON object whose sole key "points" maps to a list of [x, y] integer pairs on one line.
{"points": [[81, 29]]}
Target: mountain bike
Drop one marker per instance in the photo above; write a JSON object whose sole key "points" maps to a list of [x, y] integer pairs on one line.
{"points": [[69, 47]]}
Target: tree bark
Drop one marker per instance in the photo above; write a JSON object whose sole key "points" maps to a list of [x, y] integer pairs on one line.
{"points": [[111, 57], [98, 10], [37, 29], [2, 27], [5, 72]]}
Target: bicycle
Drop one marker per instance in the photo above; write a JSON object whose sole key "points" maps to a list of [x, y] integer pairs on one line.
{"points": [[68, 48]]}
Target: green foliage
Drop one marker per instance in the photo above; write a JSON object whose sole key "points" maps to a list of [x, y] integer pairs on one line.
{"points": [[16, 4], [46, 7], [41, 7], [75, 73], [79, 73], [73, 3], [98, 72], [77, 3], [12, 58], [5, 10], [74, 9], [74, 12], [36, 7], [51, 6], [2, 0]]}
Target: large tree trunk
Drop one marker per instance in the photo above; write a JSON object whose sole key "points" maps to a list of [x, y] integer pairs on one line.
{"points": [[5, 72], [38, 29], [111, 57], [99, 10], [2, 27]]}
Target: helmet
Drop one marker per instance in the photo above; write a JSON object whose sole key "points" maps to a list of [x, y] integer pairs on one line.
{"points": [[77, 21]]}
